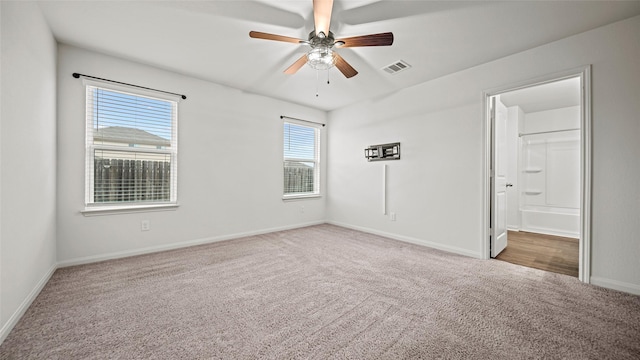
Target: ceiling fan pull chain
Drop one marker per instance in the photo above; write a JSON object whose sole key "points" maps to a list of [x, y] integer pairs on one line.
{"points": [[317, 81], [328, 82]]}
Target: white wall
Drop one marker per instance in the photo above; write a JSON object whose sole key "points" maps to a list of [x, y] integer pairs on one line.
{"points": [[436, 189], [229, 165], [3, 324], [28, 157], [552, 120]]}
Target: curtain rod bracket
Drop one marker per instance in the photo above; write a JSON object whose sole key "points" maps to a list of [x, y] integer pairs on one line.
{"points": [[77, 76]]}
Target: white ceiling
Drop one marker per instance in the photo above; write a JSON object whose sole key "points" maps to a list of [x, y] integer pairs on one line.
{"points": [[210, 39], [553, 95]]}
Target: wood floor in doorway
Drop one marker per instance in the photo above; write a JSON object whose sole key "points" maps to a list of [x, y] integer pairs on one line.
{"points": [[545, 252]]}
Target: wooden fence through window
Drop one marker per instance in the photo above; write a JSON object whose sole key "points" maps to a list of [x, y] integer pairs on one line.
{"points": [[123, 180], [298, 179]]}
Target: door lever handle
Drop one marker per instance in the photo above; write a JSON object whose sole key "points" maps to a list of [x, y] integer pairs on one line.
{"points": [[509, 184]]}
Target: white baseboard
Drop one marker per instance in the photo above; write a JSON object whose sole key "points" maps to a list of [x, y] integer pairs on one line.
{"points": [[551, 232], [412, 240], [178, 245], [15, 317], [615, 285]]}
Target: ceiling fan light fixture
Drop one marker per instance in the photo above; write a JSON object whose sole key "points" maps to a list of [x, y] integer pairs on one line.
{"points": [[321, 58]]}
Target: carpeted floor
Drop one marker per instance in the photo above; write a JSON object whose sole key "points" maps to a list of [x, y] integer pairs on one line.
{"points": [[321, 292]]}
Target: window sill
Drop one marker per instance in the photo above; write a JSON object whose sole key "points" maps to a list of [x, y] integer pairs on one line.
{"points": [[121, 209], [300, 197]]}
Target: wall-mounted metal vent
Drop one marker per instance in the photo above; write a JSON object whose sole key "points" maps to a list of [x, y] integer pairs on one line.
{"points": [[396, 67]]}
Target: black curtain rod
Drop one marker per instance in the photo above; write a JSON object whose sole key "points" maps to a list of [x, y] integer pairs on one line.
{"points": [[292, 118], [77, 75]]}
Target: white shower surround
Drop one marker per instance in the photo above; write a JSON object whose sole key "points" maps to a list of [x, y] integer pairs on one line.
{"points": [[550, 172]]}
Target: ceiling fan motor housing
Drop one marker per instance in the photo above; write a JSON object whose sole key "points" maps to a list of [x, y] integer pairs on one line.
{"points": [[321, 39]]}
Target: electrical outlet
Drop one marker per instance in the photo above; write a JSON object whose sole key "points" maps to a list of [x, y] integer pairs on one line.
{"points": [[145, 225], [392, 216]]}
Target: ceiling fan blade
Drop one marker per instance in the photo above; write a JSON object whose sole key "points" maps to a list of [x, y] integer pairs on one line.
{"points": [[296, 65], [322, 15], [347, 70], [267, 36], [382, 39]]}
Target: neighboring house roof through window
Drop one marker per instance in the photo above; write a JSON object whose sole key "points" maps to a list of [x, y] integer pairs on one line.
{"points": [[127, 135]]}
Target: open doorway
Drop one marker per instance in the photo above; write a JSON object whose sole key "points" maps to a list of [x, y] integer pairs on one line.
{"points": [[538, 160]]}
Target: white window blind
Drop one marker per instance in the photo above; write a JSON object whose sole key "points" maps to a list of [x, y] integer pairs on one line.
{"points": [[131, 147], [301, 160]]}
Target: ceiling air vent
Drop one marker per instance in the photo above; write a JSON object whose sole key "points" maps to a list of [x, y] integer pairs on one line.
{"points": [[396, 67]]}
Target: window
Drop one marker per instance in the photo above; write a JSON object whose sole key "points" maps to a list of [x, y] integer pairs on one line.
{"points": [[301, 160], [131, 148]]}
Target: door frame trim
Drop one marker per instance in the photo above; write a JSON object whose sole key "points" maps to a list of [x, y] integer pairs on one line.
{"points": [[584, 73]]}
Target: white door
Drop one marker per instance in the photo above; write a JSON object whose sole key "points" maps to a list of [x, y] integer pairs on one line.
{"points": [[499, 116]]}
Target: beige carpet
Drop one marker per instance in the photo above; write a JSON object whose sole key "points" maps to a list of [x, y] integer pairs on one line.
{"points": [[321, 292]]}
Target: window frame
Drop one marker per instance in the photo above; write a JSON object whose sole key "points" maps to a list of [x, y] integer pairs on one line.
{"points": [[90, 206], [316, 161]]}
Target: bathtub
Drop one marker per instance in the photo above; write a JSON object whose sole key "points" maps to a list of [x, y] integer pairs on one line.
{"points": [[550, 220]]}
